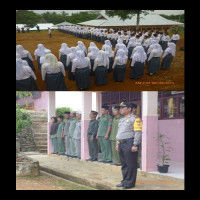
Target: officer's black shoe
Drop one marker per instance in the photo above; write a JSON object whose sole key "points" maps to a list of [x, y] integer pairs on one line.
{"points": [[120, 185], [90, 159], [127, 187]]}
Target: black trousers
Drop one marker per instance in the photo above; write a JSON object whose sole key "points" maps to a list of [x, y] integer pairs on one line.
{"points": [[129, 163]]}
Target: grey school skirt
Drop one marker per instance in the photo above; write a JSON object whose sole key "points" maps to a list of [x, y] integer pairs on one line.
{"points": [[30, 63], [166, 62], [119, 73], [154, 65], [130, 50], [70, 74], [83, 78], [101, 75], [63, 59], [27, 84], [137, 71]]}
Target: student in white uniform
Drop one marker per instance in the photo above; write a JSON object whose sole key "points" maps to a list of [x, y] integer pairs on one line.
{"points": [[38, 53], [82, 47], [42, 58], [110, 53], [146, 43], [175, 37], [130, 47], [137, 63], [53, 73], [92, 44], [70, 58], [119, 66], [25, 55], [92, 55], [107, 42], [165, 40], [154, 59], [101, 65], [168, 56], [123, 47], [81, 69], [114, 38], [64, 50], [25, 77], [119, 41]]}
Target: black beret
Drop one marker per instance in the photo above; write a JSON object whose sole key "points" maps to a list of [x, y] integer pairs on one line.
{"points": [[126, 104], [94, 112], [116, 107], [105, 107]]}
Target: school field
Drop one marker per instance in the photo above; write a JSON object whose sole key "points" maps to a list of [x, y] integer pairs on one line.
{"points": [[171, 79]]}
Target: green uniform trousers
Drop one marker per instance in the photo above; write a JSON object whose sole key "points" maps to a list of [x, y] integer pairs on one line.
{"points": [[61, 145], [54, 145], [93, 148], [115, 154], [72, 147], [105, 148]]}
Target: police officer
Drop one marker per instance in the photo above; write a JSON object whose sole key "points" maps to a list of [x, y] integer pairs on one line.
{"points": [[105, 126], [66, 130], [134, 111], [91, 135], [128, 138]]}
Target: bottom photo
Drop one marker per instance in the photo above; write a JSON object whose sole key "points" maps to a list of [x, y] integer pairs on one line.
{"points": [[100, 140]]}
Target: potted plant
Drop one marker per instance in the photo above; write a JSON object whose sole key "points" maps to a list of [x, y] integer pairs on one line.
{"points": [[163, 167]]}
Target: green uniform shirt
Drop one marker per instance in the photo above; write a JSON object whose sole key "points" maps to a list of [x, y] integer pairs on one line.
{"points": [[104, 122], [72, 127], [60, 128], [114, 127], [93, 127]]}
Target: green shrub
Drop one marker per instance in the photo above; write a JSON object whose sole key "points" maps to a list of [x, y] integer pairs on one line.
{"points": [[22, 118], [60, 111]]}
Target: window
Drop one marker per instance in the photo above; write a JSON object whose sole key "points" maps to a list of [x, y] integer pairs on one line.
{"points": [[170, 108]]}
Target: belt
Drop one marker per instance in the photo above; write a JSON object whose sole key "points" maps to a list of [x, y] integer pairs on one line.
{"points": [[124, 140]]}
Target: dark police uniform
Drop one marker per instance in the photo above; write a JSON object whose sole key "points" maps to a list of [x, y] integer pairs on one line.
{"points": [[126, 138]]}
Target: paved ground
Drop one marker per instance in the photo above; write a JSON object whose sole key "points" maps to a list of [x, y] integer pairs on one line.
{"points": [[101, 176], [171, 79]]}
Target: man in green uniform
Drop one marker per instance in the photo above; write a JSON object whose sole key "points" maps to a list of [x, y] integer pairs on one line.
{"points": [[66, 129], [71, 134], [60, 136], [105, 126], [91, 135], [117, 117]]}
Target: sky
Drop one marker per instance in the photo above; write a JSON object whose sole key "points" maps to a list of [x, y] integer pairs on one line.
{"points": [[72, 100], [166, 12]]}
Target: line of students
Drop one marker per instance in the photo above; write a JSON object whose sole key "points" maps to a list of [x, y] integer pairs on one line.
{"points": [[66, 136], [98, 63]]}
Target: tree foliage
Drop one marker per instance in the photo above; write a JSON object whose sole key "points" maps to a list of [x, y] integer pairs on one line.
{"points": [[22, 118], [61, 110], [23, 95], [27, 17], [179, 18]]}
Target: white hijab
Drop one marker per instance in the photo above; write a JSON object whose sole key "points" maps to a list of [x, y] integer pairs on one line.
{"points": [[81, 46], [157, 48], [19, 69], [132, 41], [73, 52], [119, 41], [121, 55], [102, 58], [80, 58], [92, 44], [65, 49], [139, 55], [123, 46], [21, 51], [171, 48], [94, 51], [18, 55], [107, 42], [40, 50], [51, 60], [109, 50]]}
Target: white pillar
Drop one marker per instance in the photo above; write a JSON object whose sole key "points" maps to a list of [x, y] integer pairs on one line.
{"points": [[150, 130], [51, 113], [98, 102], [86, 108]]}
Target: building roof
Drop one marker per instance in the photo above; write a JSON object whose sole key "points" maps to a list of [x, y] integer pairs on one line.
{"points": [[64, 24], [148, 20]]}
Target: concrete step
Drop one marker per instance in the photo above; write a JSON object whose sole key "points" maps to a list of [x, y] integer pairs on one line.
{"points": [[41, 143], [40, 146], [43, 150], [40, 139], [40, 135], [39, 130]]}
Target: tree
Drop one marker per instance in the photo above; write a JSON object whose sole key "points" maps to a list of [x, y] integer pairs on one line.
{"points": [[23, 95], [127, 14], [27, 17], [61, 110]]}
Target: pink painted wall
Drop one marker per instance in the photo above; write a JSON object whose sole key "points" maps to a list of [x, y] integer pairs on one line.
{"points": [[40, 103], [174, 129]]}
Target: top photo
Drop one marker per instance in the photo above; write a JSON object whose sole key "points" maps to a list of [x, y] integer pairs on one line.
{"points": [[100, 50]]}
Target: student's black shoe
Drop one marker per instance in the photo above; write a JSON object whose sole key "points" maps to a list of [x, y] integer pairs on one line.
{"points": [[120, 185], [90, 159], [128, 187]]}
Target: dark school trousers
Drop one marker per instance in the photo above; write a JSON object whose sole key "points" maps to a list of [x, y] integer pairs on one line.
{"points": [[129, 163]]}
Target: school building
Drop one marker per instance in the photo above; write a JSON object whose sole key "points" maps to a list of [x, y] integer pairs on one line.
{"points": [[151, 21], [161, 112]]}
